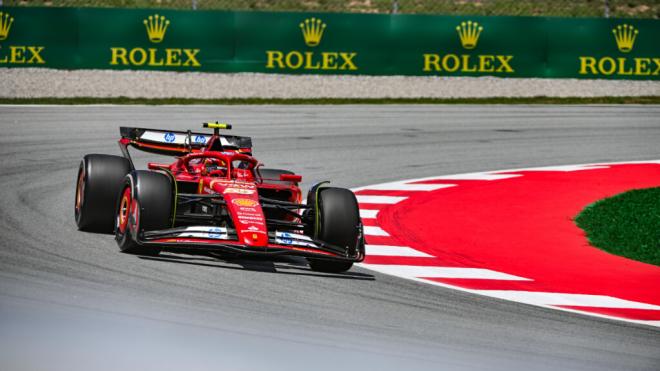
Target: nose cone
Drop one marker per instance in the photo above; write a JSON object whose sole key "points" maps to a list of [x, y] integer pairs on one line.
{"points": [[245, 210]]}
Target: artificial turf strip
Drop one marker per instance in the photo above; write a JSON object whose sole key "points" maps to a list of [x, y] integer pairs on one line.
{"points": [[627, 224], [325, 101]]}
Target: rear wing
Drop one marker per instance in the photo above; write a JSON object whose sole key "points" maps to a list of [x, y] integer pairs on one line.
{"points": [[177, 143]]}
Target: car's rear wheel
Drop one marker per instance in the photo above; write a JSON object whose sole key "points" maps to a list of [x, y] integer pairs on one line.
{"points": [[145, 204], [338, 224], [99, 180]]}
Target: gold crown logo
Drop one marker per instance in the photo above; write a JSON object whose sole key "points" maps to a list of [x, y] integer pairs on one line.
{"points": [[625, 36], [312, 30], [5, 25], [156, 26], [469, 33]]}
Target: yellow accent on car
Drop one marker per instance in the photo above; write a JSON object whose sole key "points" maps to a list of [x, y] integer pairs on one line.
{"points": [[216, 125]]}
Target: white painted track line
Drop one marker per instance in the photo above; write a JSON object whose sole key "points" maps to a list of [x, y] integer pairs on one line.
{"points": [[416, 271], [374, 231], [401, 186], [474, 176], [553, 298], [510, 171], [379, 199], [368, 214], [383, 250], [567, 168]]}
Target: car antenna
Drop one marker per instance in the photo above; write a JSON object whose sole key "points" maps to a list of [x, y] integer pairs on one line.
{"points": [[216, 126]]}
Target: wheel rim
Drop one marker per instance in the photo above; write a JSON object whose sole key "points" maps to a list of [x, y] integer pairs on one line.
{"points": [[124, 210], [80, 191]]}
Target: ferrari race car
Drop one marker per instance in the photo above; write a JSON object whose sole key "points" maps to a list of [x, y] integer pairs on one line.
{"points": [[215, 199]]}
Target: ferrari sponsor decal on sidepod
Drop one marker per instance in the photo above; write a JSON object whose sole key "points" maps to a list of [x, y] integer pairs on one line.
{"points": [[209, 191]]}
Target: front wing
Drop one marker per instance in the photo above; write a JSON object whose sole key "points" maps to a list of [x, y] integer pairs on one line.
{"points": [[209, 239]]}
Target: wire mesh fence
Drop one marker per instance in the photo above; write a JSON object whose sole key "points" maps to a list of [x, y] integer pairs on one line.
{"points": [[564, 8]]}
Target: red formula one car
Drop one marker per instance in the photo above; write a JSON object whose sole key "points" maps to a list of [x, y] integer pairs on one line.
{"points": [[214, 199]]}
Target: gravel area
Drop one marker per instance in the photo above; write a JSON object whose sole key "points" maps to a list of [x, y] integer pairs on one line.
{"points": [[37, 82]]}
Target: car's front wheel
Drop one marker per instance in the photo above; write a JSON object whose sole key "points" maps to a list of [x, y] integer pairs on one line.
{"points": [[338, 223], [145, 204]]}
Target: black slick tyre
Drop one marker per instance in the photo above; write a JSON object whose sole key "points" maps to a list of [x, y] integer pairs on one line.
{"points": [[145, 204], [97, 186], [338, 224]]}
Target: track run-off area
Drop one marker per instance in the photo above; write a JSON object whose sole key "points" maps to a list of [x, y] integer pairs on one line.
{"points": [[470, 228], [71, 300]]}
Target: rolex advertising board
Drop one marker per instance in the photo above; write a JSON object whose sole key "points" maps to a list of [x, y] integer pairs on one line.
{"points": [[25, 41], [612, 48], [304, 43], [160, 40], [329, 43]]}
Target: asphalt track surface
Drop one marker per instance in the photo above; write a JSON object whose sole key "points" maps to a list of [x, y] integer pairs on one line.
{"points": [[70, 301]]}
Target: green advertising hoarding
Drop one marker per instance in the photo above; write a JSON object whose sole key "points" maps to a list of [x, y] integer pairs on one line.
{"points": [[329, 43]]}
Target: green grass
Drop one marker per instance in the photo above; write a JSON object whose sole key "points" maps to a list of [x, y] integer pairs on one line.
{"points": [[564, 8], [627, 224], [160, 101]]}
